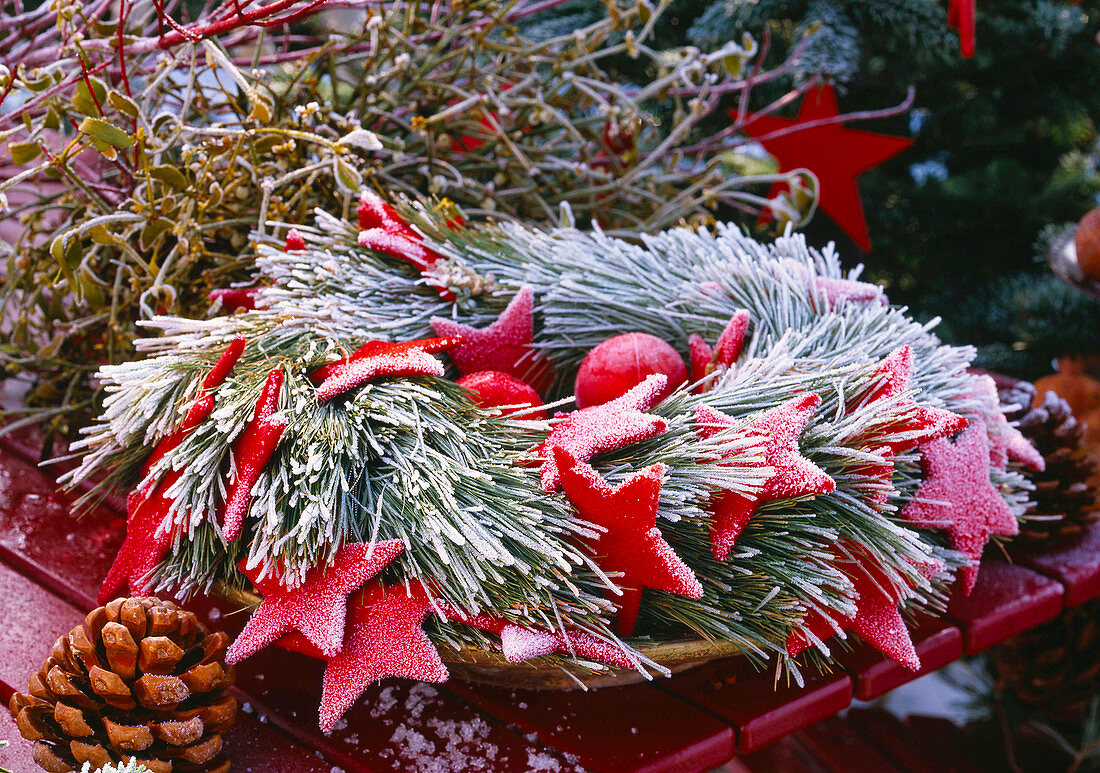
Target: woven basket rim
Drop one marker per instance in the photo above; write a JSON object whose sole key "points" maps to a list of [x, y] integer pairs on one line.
{"points": [[669, 654]]}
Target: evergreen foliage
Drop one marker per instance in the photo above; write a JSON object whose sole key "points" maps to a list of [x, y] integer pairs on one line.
{"points": [[412, 459]]}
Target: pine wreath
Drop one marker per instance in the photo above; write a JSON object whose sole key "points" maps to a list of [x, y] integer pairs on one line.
{"points": [[315, 445]]}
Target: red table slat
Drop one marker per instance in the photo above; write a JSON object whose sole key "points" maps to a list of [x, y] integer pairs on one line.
{"points": [[397, 725], [633, 729], [836, 746], [909, 750], [1072, 561], [40, 534], [761, 712], [937, 643], [784, 756], [1006, 600], [944, 741], [33, 619], [18, 757]]}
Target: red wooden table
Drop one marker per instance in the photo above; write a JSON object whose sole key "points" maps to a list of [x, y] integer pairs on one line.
{"points": [[720, 714]]}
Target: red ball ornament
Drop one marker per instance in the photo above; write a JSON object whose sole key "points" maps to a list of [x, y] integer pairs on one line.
{"points": [[623, 362], [492, 389]]}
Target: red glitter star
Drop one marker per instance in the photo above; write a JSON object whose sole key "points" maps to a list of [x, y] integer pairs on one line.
{"points": [[957, 496], [835, 290], [878, 620], [251, 453], [923, 424], [793, 475], [383, 230], [726, 351], [631, 542], [376, 359], [148, 537], [384, 639], [233, 298], [1006, 442], [519, 644], [601, 428], [318, 607], [504, 346]]}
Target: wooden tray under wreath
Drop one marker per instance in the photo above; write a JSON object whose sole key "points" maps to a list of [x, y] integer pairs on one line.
{"points": [[471, 664]]}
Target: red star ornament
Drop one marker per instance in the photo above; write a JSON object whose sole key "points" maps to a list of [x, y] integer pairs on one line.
{"points": [[233, 298], [504, 346], [835, 154], [878, 620], [957, 496], [893, 377], [519, 644], [148, 537], [834, 290], [251, 453], [384, 639], [601, 428], [1006, 442], [631, 543], [377, 359], [725, 353], [960, 16], [318, 607], [383, 230], [793, 474]]}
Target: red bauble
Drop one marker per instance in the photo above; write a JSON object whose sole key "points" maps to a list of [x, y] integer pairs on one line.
{"points": [[493, 389], [623, 362]]}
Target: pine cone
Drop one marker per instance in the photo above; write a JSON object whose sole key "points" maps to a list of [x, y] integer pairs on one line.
{"points": [[1065, 498], [1055, 668], [140, 678]]}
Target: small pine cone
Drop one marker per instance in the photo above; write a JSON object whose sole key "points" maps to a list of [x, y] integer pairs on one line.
{"points": [[1065, 496], [141, 678]]}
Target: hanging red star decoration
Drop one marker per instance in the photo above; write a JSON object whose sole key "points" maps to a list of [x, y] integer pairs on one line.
{"points": [[958, 497], [1006, 442], [384, 639], [148, 537], [726, 351], [519, 644], [877, 620], [793, 475], [377, 359], [921, 424], [601, 428], [835, 154], [251, 453], [960, 16], [631, 543], [318, 607], [504, 346]]}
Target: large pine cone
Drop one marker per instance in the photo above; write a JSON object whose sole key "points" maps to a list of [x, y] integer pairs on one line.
{"points": [[1065, 494], [141, 678], [1055, 668]]}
